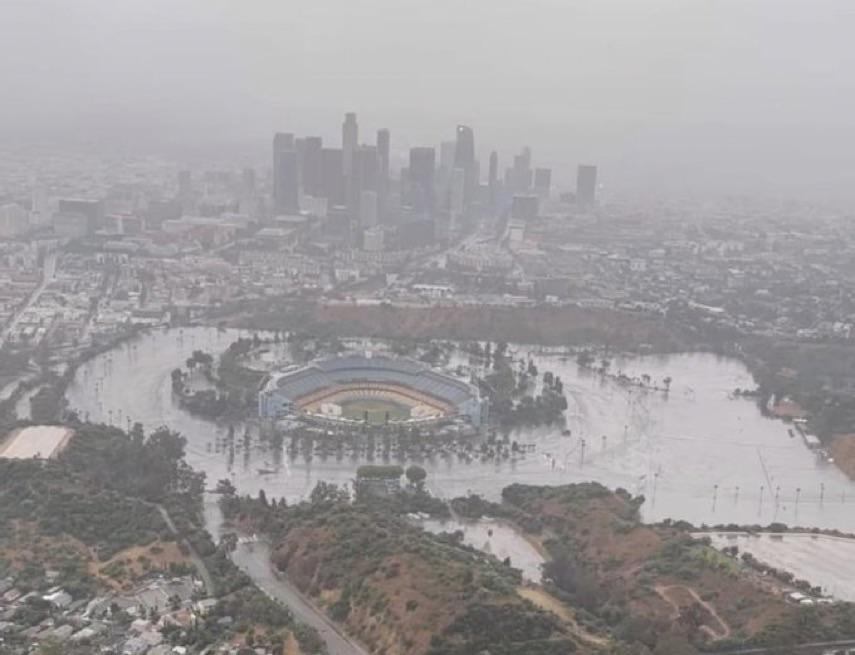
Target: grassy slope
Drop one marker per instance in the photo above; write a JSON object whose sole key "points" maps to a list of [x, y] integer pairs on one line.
{"points": [[623, 570], [403, 591]]}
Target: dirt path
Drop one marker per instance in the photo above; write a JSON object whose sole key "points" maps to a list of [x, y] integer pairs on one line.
{"points": [[545, 601], [724, 629]]}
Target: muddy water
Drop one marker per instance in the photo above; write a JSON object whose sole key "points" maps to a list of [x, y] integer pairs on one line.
{"points": [[497, 539], [695, 452], [824, 561]]}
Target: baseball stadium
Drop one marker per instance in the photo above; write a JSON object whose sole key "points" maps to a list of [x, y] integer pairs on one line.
{"points": [[369, 389]]}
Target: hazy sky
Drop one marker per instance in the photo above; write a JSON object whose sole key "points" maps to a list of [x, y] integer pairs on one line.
{"points": [[723, 95]]}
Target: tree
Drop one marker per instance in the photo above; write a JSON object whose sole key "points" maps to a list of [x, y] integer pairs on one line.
{"points": [[225, 488], [177, 380], [200, 358], [416, 476], [326, 492], [667, 382], [584, 359], [229, 542]]}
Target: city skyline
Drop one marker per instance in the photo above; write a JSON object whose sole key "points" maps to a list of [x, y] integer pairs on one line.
{"points": [[668, 97]]}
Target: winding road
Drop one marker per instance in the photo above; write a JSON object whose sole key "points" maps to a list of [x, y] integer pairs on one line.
{"points": [[254, 560]]}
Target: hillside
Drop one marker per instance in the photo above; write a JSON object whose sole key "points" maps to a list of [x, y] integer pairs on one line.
{"points": [[115, 522], [655, 583], [400, 590], [560, 326]]}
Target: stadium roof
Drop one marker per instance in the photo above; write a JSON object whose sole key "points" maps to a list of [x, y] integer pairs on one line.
{"points": [[353, 368]]}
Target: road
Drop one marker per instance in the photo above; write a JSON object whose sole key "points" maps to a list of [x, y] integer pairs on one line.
{"points": [[197, 561], [48, 271], [254, 560], [819, 646]]}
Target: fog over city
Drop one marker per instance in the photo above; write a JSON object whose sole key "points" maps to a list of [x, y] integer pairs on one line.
{"points": [[382, 327], [672, 96]]}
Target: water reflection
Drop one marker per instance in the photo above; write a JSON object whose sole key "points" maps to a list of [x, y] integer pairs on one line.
{"points": [[695, 452], [495, 538]]}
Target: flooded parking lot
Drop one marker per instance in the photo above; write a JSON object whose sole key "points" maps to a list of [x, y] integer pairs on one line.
{"points": [[695, 452], [823, 560]]}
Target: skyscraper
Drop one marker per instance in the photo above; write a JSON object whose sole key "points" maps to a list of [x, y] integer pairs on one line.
{"points": [[464, 157], [421, 179], [586, 185], [494, 169], [311, 165], [383, 144], [283, 141], [332, 178], [286, 175], [464, 146], [457, 192], [349, 141], [542, 181], [447, 155], [364, 176], [368, 209], [493, 180], [383, 152], [522, 171]]}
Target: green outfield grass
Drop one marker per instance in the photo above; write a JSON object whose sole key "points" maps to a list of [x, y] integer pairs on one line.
{"points": [[355, 410]]}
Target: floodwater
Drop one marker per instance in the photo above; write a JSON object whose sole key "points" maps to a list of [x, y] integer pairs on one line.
{"points": [[495, 538], [695, 452], [823, 560]]}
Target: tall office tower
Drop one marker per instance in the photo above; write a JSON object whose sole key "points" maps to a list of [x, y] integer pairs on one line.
{"points": [[522, 171], [286, 174], [368, 168], [364, 176], [586, 185], [283, 141], [383, 153], [368, 209], [311, 165], [457, 194], [494, 169], [446, 155], [383, 145], [421, 179], [542, 181], [493, 179], [349, 141], [464, 157], [332, 184]]}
